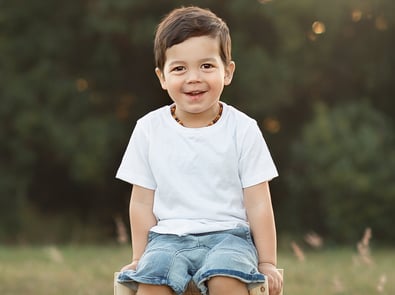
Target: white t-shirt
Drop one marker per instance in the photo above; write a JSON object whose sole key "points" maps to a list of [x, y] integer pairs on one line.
{"points": [[198, 174]]}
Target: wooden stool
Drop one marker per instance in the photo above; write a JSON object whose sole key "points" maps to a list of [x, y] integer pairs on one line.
{"points": [[263, 289]]}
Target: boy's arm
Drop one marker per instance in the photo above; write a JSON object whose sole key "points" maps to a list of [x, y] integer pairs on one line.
{"points": [[142, 219], [257, 201]]}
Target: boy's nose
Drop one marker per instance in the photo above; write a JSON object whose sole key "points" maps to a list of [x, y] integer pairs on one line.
{"points": [[193, 76]]}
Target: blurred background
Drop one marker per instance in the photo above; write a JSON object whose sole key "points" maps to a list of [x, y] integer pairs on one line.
{"points": [[318, 76]]}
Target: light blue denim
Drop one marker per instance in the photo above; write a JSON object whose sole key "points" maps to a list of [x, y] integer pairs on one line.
{"points": [[173, 260]]}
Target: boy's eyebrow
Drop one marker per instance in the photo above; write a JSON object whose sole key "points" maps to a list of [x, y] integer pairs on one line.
{"points": [[206, 59]]}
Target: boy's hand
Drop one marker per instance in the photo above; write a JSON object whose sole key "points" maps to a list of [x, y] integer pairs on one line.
{"points": [[130, 266], [274, 277]]}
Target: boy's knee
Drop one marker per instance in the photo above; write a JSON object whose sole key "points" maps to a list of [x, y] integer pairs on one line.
{"points": [[226, 285]]}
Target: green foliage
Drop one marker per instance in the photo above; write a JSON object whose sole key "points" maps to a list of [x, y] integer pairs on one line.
{"points": [[343, 172], [55, 128], [75, 76]]}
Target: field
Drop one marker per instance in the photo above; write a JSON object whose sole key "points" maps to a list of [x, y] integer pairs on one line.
{"points": [[88, 270]]}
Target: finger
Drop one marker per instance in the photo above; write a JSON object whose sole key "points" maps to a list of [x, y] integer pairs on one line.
{"points": [[274, 291], [275, 286], [272, 284], [128, 267]]}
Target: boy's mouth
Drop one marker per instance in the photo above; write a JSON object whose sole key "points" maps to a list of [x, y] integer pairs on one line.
{"points": [[195, 92]]}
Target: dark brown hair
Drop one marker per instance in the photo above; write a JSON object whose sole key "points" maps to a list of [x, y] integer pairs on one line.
{"points": [[186, 22]]}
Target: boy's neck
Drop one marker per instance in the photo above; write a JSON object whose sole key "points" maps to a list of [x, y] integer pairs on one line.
{"points": [[191, 120]]}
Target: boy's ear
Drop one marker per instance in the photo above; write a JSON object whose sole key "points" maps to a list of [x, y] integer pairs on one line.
{"points": [[161, 78], [229, 70]]}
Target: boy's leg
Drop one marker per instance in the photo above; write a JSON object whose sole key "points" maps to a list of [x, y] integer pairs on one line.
{"points": [[220, 285], [163, 269], [230, 266], [145, 289]]}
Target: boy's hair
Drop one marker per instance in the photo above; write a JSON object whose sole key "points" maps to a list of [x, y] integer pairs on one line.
{"points": [[186, 22]]}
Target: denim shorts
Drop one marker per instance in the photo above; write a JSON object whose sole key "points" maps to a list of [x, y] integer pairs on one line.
{"points": [[175, 260]]}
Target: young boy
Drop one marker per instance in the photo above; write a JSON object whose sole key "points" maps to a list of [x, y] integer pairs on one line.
{"points": [[200, 206]]}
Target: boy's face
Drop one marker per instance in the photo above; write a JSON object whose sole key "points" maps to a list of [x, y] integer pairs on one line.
{"points": [[194, 76]]}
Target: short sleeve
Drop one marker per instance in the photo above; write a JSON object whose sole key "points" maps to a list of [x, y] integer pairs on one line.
{"points": [[135, 167], [256, 164]]}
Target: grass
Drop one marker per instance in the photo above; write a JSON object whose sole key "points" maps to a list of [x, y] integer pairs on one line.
{"points": [[86, 270], [67, 270], [339, 272]]}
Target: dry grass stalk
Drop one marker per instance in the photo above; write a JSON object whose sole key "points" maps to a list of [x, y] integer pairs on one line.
{"points": [[381, 284], [314, 240], [366, 237], [364, 249], [54, 254], [298, 251], [338, 285], [122, 236]]}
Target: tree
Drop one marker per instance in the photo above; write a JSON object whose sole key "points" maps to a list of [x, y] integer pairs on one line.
{"points": [[340, 179], [76, 75]]}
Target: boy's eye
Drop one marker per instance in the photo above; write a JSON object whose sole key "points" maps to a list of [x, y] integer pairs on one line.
{"points": [[207, 66], [178, 68]]}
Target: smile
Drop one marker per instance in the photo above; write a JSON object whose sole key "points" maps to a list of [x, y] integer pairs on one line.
{"points": [[193, 93]]}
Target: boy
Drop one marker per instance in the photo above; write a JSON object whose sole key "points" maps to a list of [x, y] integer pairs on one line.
{"points": [[200, 206]]}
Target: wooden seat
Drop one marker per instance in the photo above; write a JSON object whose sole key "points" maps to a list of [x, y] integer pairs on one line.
{"points": [[120, 289]]}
